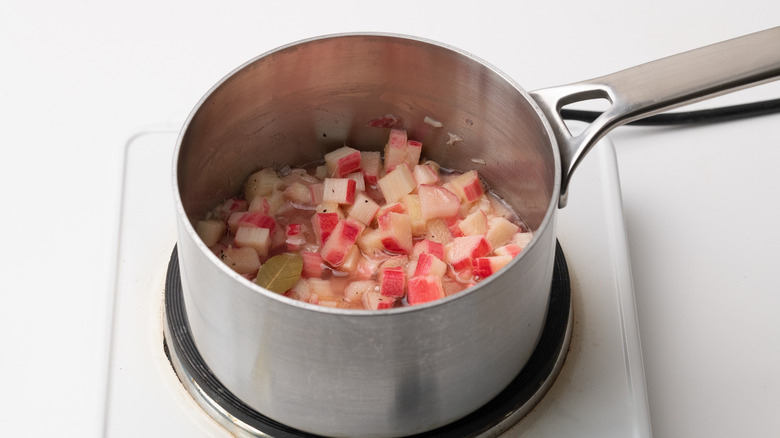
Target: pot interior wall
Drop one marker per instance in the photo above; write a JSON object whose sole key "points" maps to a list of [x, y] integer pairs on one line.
{"points": [[291, 106]]}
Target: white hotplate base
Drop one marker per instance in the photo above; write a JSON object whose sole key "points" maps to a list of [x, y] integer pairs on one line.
{"points": [[600, 391]]}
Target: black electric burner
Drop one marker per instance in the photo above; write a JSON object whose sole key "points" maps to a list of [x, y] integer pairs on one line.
{"points": [[492, 419]]}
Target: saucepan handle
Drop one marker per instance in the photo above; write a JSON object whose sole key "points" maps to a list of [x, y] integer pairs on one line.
{"points": [[657, 86]]}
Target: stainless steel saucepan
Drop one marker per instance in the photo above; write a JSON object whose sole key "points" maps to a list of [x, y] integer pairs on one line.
{"points": [[342, 372]]}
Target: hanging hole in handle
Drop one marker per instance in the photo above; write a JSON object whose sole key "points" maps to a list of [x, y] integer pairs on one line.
{"points": [[599, 105], [593, 100]]}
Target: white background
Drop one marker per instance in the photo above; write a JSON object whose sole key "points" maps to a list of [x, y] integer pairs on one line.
{"points": [[79, 78]]}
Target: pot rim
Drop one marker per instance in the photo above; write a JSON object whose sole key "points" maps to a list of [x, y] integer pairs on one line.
{"points": [[182, 214]]}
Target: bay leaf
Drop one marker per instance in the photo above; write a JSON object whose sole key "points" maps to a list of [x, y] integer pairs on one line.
{"points": [[280, 272]]}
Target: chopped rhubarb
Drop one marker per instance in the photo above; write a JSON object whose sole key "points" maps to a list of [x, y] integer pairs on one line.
{"points": [[438, 231], [339, 190], [396, 184], [371, 167], [312, 264], [375, 301], [437, 201], [424, 289], [509, 249], [355, 290], [350, 263], [370, 243], [261, 183], [241, 260], [224, 210], [468, 186], [395, 149], [428, 264], [429, 247], [396, 229], [250, 219], [392, 281], [482, 267], [363, 209], [210, 231], [424, 174], [342, 161], [340, 241], [360, 182], [474, 224], [256, 238], [413, 152], [522, 239], [414, 210], [323, 224], [500, 231], [466, 248]]}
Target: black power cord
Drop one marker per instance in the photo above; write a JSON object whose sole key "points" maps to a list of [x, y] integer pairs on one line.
{"points": [[713, 115]]}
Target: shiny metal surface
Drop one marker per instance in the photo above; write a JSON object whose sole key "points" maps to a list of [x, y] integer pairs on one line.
{"points": [[358, 373], [403, 371], [660, 85]]}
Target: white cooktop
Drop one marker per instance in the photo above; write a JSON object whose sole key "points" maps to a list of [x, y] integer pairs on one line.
{"points": [[601, 389]]}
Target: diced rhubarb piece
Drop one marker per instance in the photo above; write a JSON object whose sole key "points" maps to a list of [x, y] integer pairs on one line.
{"points": [[396, 261], [351, 260], [414, 210], [360, 182], [396, 229], [413, 151], [474, 224], [370, 243], [366, 268], [210, 231], [395, 207], [261, 183], [294, 236], [242, 260], [371, 166], [396, 184], [355, 290], [329, 207], [428, 247], [340, 241], [424, 174], [500, 231], [437, 201], [224, 210], [363, 209], [312, 264], [249, 219], [395, 149], [522, 239], [468, 186], [423, 289], [428, 264], [509, 249], [322, 288], [317, 193], [438, 231], [270, 205], [298, 194], [323, 224], [342, 161], [483, 267], [466, 248], [392, 281], [339, 190], [373, 300], [301, 291], [256, 238]]}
